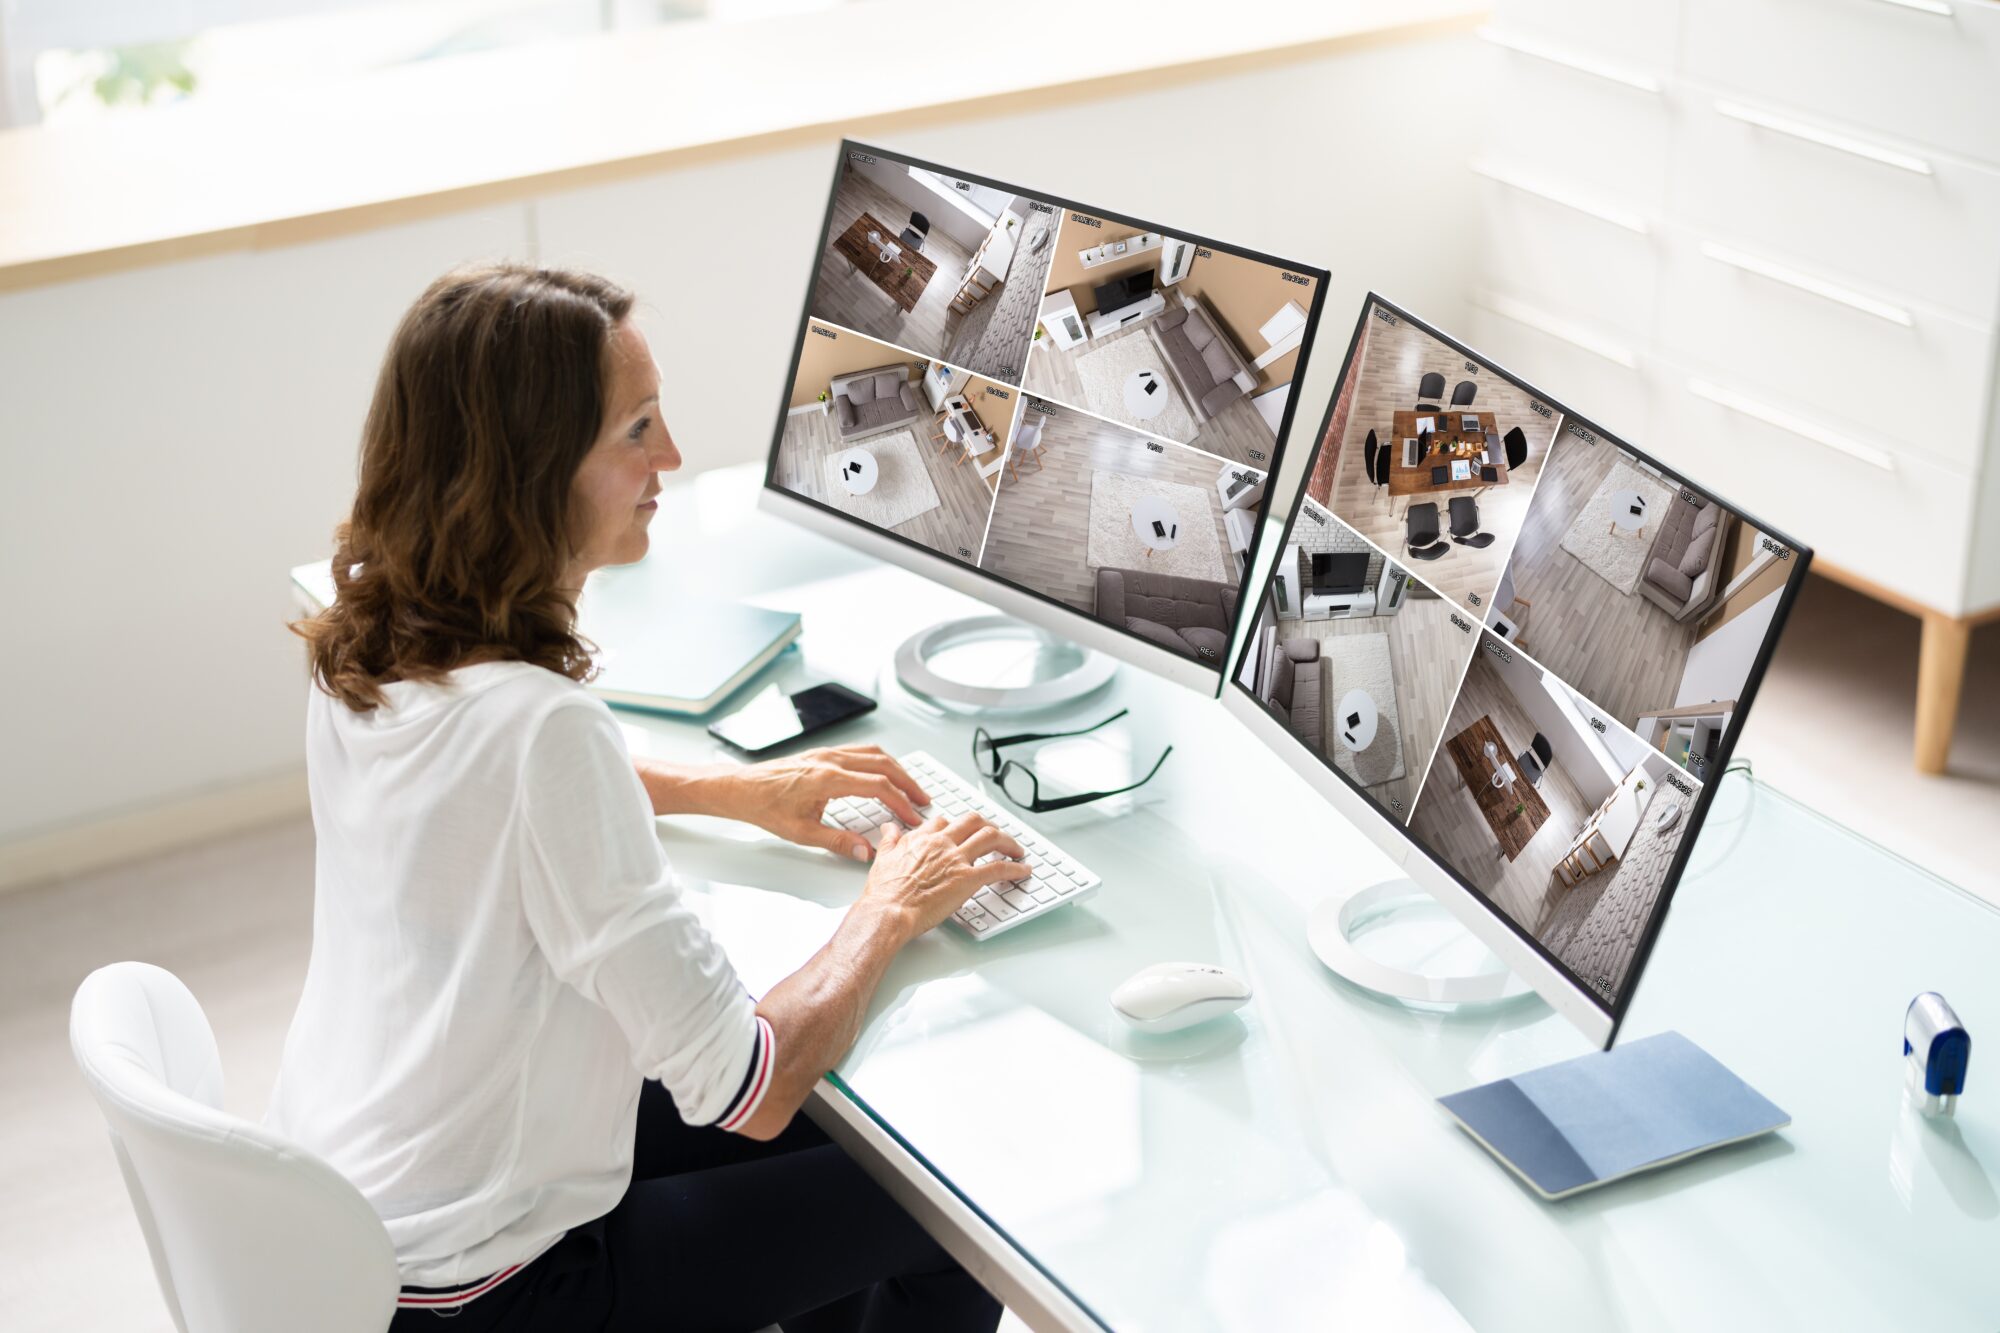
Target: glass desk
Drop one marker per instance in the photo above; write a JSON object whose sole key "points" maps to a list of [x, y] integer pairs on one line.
{"points": [[1287, 1167]]}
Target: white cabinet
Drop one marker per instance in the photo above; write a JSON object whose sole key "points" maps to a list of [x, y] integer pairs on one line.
{"points": [[1760, 239], [1061, 320]]}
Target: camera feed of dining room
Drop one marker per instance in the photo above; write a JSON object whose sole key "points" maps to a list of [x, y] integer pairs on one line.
{"points": [[1431, 455]]}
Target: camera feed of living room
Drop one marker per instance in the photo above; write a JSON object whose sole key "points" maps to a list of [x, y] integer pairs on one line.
{"points": [[1141, 533], [947, 267], [1564, 819], [1181, 341], [1646, 595], [1432, 456], [912, 446], [1357, 656]]}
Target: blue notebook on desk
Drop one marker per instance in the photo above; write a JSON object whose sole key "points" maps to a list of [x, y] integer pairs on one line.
{"points": [[1597, 1118], [679, 654]]}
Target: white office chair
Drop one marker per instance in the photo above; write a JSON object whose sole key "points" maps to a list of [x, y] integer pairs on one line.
{"points": [[248, 1233]]}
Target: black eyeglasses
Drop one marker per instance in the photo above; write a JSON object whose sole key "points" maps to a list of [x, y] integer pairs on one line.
{"points": [[1019, 783]]}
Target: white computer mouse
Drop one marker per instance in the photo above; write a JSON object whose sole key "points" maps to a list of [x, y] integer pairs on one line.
{"points": [[1167, 997]]}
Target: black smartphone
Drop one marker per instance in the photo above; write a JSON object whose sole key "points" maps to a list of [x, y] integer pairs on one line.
{"points": [[774, 718]]}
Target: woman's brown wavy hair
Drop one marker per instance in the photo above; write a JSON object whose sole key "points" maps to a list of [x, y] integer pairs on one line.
{"points": [[492, 392]]}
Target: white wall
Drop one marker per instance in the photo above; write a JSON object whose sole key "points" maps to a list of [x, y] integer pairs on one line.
{"points": [[1552, 708], [177, 436], [1720, 663]]}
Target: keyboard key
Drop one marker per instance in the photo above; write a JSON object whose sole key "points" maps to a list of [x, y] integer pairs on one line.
{"points": [[1018, 900], [1042, 895], [999, 909]]}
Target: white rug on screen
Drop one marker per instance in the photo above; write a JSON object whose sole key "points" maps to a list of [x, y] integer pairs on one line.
{"points": [[1197, 554], [1104, 372], [1616, 557], [1361, 662], [902, 486]]}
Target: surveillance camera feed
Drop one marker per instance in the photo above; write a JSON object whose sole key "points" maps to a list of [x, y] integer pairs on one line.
{"points": [[1525, 642], [1083, 407]]}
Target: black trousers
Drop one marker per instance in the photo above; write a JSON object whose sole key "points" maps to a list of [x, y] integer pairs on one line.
{"points": [[722, 1234]]}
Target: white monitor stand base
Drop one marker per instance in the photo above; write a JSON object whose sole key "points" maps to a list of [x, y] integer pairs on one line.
{"points": [[998, 663], [1334, 926]]}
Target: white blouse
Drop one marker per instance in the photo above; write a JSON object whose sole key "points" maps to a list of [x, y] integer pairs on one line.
{"points": [[500, 955]]}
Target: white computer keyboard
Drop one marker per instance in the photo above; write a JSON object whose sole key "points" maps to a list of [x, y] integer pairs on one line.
{"points": [[1059, 878]]}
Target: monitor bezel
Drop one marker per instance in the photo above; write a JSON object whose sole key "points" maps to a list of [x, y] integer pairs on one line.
{"points": [[1025, 603], [1511, 942]]}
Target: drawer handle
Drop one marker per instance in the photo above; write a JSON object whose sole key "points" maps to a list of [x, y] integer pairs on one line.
{"points": [[1785, 421], [1529, 317], [1937, 7], [1631, 222], [1805, 282], [1825, 138], [1570, 60]]}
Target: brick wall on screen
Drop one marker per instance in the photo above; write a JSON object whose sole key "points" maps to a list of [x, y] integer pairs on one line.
{"points": [[1333, 535], [1319, 485]]}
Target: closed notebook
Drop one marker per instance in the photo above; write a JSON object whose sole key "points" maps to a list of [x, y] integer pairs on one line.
{"points": [[679, 654], [1599, 1117]]}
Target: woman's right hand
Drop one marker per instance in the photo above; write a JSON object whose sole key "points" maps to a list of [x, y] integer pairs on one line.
{"points": [[926, 873]]}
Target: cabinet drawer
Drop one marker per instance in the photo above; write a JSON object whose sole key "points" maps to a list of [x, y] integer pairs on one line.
{"points": [[1561, 256], [1920, 388], [1589, 373], [1562, 107], [1906, 526], [1905, 72], [1813, 190], [1629, 32]]}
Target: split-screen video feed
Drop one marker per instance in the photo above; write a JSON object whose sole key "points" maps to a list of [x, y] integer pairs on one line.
{"points": [[1521, 639], [1086, 409]]}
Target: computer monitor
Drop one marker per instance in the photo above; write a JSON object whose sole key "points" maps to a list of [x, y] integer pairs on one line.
{"points": [[1530, 700], [1062, 410]]}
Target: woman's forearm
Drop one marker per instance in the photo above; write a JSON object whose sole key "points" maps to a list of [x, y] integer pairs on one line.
{"points": [[815, 1014], [691, 789]]}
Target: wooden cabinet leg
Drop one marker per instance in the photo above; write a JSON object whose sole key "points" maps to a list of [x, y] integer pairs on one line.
{"points": [[1940, 674]]}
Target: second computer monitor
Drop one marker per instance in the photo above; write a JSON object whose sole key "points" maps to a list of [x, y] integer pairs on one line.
{"points": [[1068, 412], [1514, 649]]}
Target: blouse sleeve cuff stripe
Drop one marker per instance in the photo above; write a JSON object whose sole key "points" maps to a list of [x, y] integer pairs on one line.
{"points": [[756, 1080]]}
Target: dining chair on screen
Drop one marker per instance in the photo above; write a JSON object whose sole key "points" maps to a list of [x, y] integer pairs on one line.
{"points": [[1429, 388], [1461, 396]]}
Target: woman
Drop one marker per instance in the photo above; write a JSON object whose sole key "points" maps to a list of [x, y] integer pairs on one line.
{"points": [[514, 1037]]}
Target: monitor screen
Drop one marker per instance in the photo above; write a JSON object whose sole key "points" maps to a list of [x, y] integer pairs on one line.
{"points": [[1548, 658], [1078, 405]]}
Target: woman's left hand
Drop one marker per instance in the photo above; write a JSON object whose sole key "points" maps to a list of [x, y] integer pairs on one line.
{"points": [[788, 796]]}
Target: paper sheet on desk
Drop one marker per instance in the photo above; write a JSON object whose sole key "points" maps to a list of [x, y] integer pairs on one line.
{"points": [[767, 935]]}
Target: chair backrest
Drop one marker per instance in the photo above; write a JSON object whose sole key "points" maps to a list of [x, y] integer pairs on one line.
{"points": [[1422, 523], [1430, 386], [1369, 452], [920, 224], [246, 1230], [1464, 516], [1541, 747], [1517, 447], [1462, 394]]}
